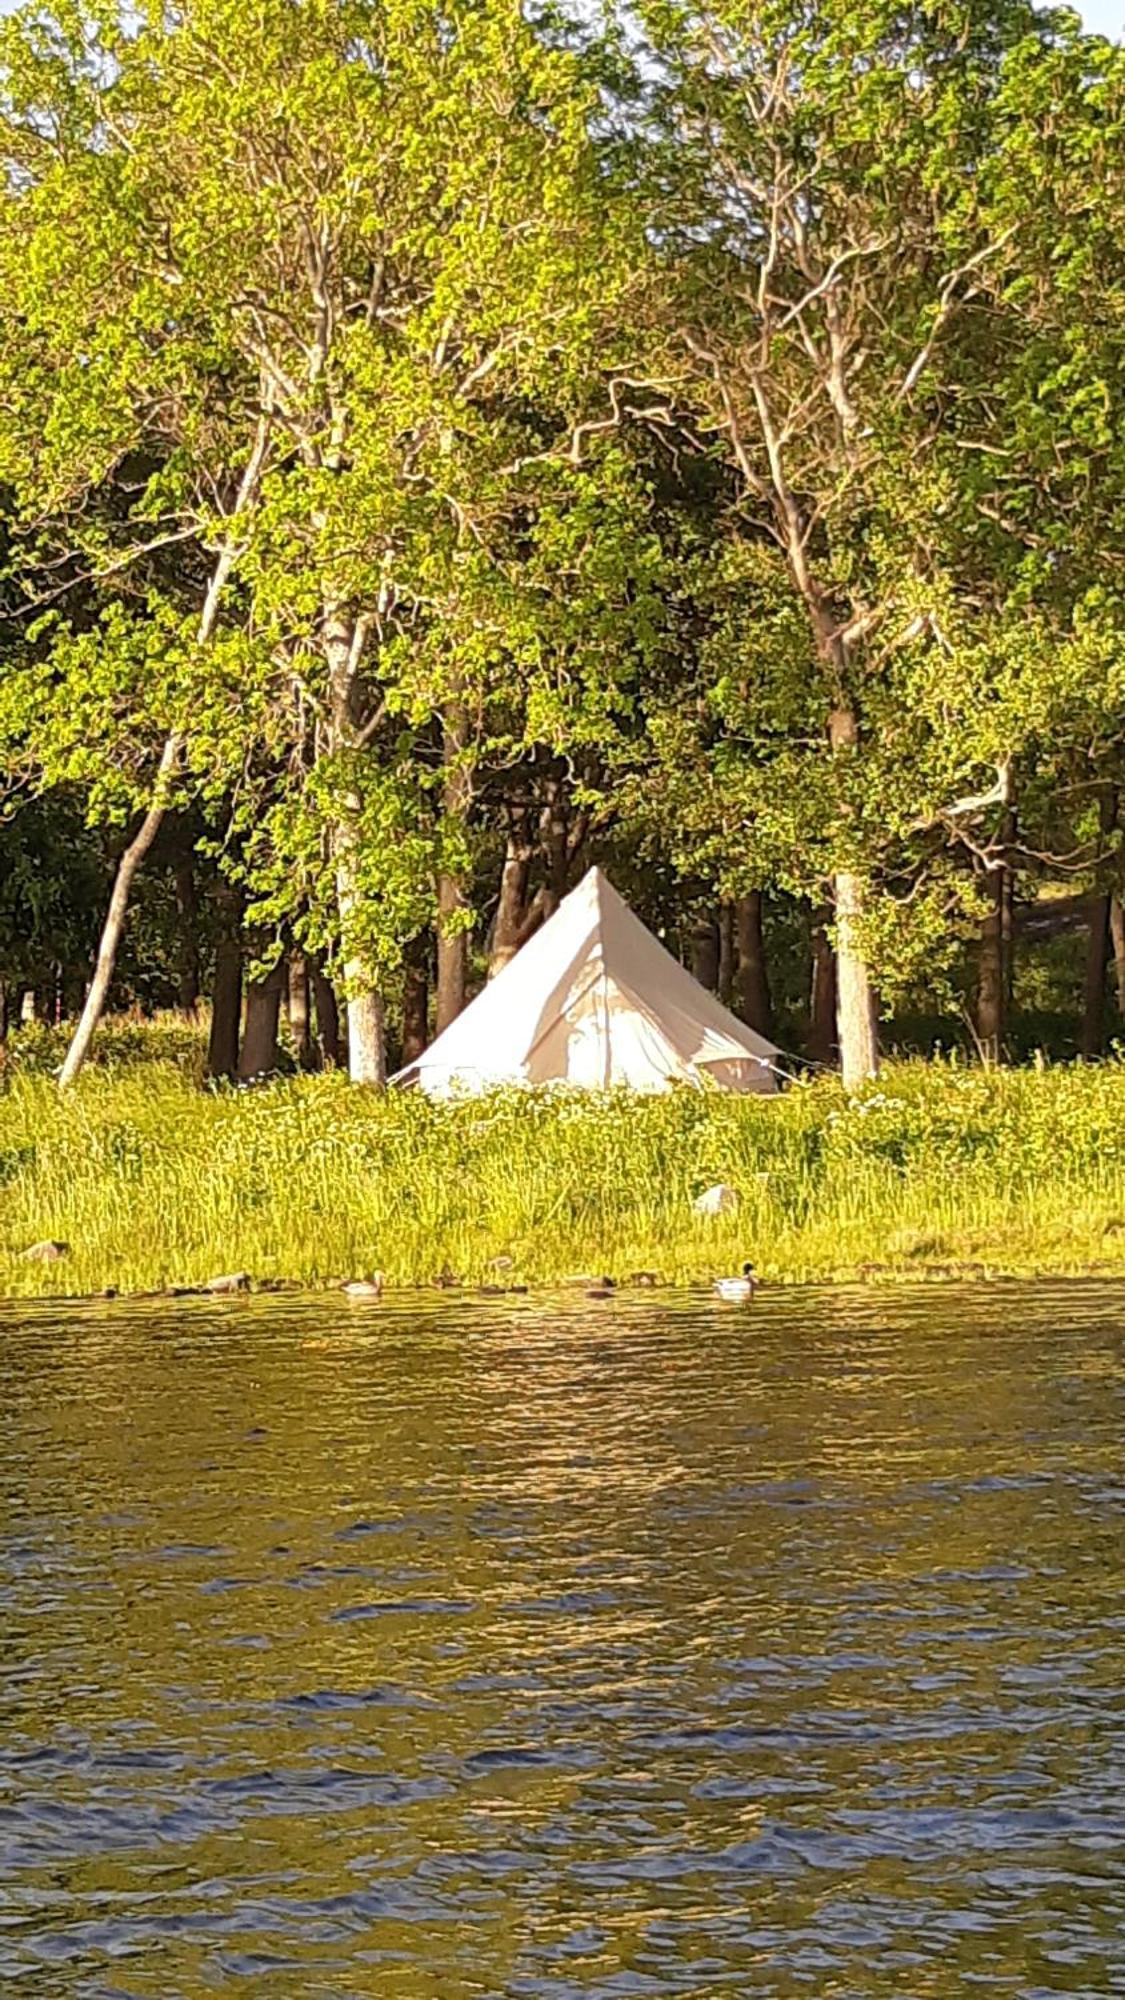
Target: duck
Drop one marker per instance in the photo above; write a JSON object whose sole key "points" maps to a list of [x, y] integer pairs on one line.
{"points": [[365, 1288], [738, 1289], [604, 1289]]}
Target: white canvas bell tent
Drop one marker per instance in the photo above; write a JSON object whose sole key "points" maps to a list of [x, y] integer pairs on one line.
{"points": [[593, 999]]}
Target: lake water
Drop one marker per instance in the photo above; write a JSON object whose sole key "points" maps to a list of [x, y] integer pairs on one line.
{"points": [[558, 1648]]}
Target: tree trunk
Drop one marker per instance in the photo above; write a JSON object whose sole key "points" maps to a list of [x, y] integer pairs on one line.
{"points": [[226, 993], [367, 1041], [554, 830], [1097, 958], [367, 1054], [1098, 941], [822, 999], [452, 957], [753, 977], [726, 953], [994, 995], [855, 999], [327, 1016], [991, 984], [1117, 933], [300, 1028], [263, 1016], [115, 917], [188, 941], [4, 1010], [512, 905], [1008, 926], [453, 944], [416, 999], [705, 947], [169, 758]]}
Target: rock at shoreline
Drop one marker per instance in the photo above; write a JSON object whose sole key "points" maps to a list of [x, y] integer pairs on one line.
{"points": [[47, 1252], [718, 1200], [234, 1281]]}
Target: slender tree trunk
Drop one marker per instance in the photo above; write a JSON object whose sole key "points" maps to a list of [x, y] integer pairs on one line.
{"points": [[327, 1016], [1117, 933], [990, 975], [855, 997], [1098, 943], [994, 992], [226, 993], [726, 953], [753, 975], [226, 1009], [367, 1039], [363, 1004], [512, 904], [29, 1005], [115, 917], [263, 1017], [169, 758], [367, 1053], [705, 947], [188, 941], [1008, 925], [453, 944], [452, 957], [300, 1027], [4, 1011], [416, 997], [555, 847], [822, 999], [1097, 959]]}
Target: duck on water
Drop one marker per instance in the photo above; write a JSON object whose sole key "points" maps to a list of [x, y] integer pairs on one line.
{"points": [[740, 1289]]}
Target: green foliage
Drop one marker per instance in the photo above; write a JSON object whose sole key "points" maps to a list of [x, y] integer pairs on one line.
{"points": [[425, 416]]}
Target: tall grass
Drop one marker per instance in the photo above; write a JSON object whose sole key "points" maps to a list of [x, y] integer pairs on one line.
{"points": [[155, 1181]]}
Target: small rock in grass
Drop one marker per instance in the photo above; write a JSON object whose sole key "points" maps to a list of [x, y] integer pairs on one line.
{"points": [[234, 1281], [47, 1252], [718, 1200]]}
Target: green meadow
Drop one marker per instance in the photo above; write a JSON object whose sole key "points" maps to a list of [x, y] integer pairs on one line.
{"points": [[155, 1180]]}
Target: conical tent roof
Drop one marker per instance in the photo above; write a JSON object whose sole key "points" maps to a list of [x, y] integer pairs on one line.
{"points": [[593, 999]]}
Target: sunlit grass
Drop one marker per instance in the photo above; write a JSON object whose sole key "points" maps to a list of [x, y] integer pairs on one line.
{"points": [[155, 1181]]}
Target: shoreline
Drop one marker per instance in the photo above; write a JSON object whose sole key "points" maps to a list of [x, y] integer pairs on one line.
{"points": [[889, 1278]]}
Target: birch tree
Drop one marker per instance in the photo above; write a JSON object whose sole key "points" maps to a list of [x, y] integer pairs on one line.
{"points": [[831, 235], [340, 248]]}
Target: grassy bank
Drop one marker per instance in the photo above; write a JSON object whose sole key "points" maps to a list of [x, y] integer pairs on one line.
{"points": [[154, 1181]]}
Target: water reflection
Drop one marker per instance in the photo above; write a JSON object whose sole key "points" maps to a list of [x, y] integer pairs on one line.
{"points": [[558, 1649]]}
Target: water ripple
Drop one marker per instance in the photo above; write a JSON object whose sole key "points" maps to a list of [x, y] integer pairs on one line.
{"points": [[515, 1652]]}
